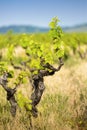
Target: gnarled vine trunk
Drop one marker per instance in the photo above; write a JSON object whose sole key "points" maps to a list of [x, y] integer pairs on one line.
{"points": [[37, 82], [10, 94]]}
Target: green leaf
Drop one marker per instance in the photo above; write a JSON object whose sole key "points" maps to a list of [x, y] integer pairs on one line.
{"points": [[11, 74], [10, 52], [24, 102], [52, 25], [3, 67], [54, 22], [60, 53], [39, 53]]}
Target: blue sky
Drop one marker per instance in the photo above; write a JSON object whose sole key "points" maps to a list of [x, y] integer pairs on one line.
{"points": [[40, 12]]}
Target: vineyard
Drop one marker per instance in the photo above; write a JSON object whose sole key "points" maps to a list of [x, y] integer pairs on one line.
{"points": [[43, 80]]}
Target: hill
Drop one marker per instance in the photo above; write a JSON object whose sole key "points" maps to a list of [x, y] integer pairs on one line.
{"points": [[35, 29], [77, 28], [23, 29]]}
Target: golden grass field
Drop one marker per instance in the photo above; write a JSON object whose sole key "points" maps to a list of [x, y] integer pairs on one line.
{"points": [[63, 105]]}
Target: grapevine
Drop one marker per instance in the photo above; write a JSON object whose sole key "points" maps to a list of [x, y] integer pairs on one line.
{"points": [[38, 63]]}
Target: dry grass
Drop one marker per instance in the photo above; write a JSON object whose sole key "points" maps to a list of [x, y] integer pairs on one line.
{"points": [[59, 105], [67, 80]]}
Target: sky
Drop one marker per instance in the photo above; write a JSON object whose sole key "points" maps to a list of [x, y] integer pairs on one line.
{"points": [[40, 12]]}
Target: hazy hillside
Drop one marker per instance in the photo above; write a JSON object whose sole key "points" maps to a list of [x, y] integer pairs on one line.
{"points": [[34, 29], [23, 29], [77, 28]]}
